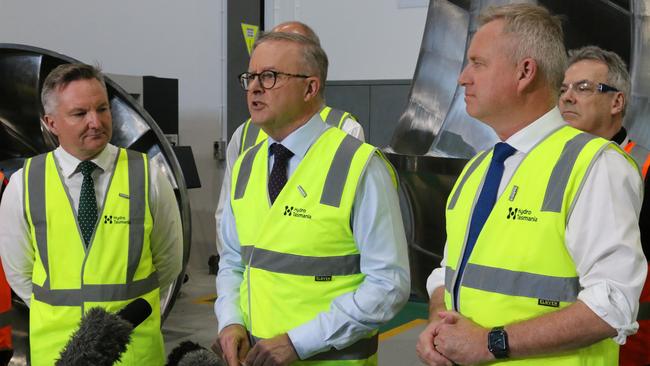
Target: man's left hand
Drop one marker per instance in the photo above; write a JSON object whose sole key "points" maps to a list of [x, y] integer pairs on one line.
{"points": [[461, 340], [276, 351]]}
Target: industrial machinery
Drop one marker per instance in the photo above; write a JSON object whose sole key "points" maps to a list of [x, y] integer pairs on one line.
{"points": [[435, 136], [22, 134]]}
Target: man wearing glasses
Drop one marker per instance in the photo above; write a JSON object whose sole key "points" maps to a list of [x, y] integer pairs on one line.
{"points": [[314, 254], [593, 98], [248, 134]]}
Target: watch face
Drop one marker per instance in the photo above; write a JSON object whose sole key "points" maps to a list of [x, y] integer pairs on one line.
{"points": [[498, 343]]}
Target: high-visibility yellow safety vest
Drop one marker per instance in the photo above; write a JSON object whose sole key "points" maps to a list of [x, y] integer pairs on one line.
{"points": [[115, 269], [520, 267], [299, 254], [253, 135]]}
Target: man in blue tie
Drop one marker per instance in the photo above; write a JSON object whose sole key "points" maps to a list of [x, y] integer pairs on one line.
{"points": [[543, 261]]}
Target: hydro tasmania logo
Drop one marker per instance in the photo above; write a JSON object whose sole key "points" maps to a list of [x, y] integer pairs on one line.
{"points": [[296, 212], [110, 219], [521, 214]]}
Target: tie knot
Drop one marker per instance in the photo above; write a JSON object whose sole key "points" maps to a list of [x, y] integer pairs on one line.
{"points": [[87, 167], [280, 152], [502, 151]]}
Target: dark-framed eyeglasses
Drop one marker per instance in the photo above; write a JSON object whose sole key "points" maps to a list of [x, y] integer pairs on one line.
{"points": [[586, 88], [267, 78]]}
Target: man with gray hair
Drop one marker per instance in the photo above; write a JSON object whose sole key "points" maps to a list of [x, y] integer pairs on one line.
{"points": [[593, 98], [88, 224], [314, 253], [538, 226]]}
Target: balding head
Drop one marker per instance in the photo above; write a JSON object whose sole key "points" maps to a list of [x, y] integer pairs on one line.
{"points": [[298, 28]]}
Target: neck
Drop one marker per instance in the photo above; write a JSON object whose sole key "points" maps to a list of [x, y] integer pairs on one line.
{"points": [[527, 110], [279, 131]]}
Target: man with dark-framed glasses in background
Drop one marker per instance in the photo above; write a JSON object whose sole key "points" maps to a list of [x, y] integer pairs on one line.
{"points": [[314, 254], [593, 98]]}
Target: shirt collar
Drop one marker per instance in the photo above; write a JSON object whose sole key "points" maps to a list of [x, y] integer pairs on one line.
{"points": [[299, 141], [69, 163], [528, 137]]}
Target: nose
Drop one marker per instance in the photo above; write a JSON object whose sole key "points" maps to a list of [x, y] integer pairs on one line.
{"points": [[254, 85], [92, 119], [568, 96], [463, 78]]}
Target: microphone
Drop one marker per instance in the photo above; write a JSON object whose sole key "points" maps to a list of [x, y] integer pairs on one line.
{"points": [[192, 354], [102, 337]]}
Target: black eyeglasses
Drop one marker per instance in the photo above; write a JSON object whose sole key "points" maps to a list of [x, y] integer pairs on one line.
{"points": [[267, 78], [586, 88]]}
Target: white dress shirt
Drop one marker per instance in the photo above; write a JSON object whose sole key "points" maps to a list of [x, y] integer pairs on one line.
{"points": [[602, 232], [379, 235], [15, 246], [349, 126]]}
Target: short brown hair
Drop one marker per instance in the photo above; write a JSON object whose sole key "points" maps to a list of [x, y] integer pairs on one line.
{"points": [[537, 34], [63, 75], [314, 57]]}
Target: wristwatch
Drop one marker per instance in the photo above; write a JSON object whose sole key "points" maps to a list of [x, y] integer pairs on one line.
{"points": [[498, 342]]}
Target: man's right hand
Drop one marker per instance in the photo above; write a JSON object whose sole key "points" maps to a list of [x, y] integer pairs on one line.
{"points": [[233, 341]]}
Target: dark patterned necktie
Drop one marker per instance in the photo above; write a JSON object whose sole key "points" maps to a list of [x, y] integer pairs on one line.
{"points": [[278, 177], [87, 212]]}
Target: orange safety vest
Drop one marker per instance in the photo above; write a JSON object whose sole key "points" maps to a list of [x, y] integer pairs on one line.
{"points": [[636, 350], [5, 296]]}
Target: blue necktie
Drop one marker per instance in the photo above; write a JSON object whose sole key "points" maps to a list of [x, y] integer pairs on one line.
{"points": [[484, 204]]}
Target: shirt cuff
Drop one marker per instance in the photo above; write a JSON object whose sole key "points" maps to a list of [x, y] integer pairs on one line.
{"points": [[436, 279], [307, 341], [227, 316], [611, 306]]}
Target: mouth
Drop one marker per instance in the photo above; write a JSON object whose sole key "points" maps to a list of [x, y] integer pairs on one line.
{"points": [[256, 105], [567, 114]]}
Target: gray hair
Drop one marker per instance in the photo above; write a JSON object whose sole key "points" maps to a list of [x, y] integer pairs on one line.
{"points": [[537, 34], [63, 75], [300, 28], [314, 57], [617, 74]]}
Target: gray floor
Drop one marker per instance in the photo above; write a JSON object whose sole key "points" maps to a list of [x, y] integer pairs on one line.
{"points": [[193, 319]]}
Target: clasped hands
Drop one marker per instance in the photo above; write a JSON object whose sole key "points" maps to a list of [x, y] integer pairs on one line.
{"points": [[452, 339], [233, 345]]}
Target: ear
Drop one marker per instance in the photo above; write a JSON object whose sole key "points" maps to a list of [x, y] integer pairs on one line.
{"points": [[313, 88], [618, 103], [526, 73], [50, 122]]}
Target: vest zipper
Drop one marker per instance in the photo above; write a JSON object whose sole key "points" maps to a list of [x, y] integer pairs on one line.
{"points": [[250, 309]]}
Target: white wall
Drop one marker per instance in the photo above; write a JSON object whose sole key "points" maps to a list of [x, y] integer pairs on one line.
{"points": [[164, 38], [364, 39]]}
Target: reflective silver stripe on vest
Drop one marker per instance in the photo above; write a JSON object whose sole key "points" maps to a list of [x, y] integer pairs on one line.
{"points": [[562, 171], [300, 264], [644, 311], [512, 283], [360, 350], [36, 189], [639, 154], [5, 319], [470, 170], [92, 292], [250, 137], [335, 117], [245, 171], [96, 293], [449, 279], [338, 172], [137, 207]]}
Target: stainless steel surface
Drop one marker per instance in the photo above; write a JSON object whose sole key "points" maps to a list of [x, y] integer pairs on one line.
{"points": [[435, 135], [22, 134]]}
